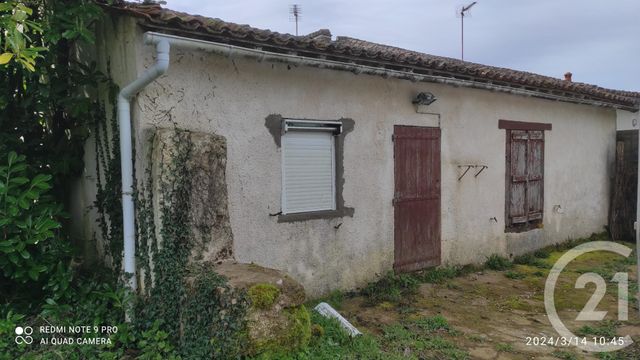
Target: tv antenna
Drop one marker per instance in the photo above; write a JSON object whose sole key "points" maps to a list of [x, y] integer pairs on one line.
{"points": [[295, 11], [463, 11]]}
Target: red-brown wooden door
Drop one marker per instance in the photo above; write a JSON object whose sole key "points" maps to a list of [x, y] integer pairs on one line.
{"points": [[417, 197]]}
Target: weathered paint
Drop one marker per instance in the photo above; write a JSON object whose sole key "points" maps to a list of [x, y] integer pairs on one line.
{"points": [[524, 179], [622, 213], [417, 197], [114, 50], [231, 97], [341, 209], [626, 120]]}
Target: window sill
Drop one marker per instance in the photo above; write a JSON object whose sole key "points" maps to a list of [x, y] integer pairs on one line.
{"points": [[311, 215], [525, 227]]}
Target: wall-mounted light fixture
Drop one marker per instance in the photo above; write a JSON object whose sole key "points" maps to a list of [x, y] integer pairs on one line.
{"points": [[422, 100]]}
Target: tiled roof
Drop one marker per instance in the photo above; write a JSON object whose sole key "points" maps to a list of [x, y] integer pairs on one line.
{"points": [[350, 50]]}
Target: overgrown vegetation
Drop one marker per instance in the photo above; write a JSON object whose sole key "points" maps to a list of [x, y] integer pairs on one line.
{"points": [[28, 218], [45, 115], [50, 103], [497, 262], [201, 314], [394, 307]]}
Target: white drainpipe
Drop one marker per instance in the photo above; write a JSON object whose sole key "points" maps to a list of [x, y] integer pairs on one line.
{"points": [[126, 158]]}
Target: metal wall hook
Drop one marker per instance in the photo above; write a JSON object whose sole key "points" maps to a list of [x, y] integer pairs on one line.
{"points": [[466, 171], [482, 167], [469, 167]]}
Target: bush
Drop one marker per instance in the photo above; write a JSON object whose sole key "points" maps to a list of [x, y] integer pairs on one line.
{"points": [[28, 221], [155, 345], [391, 287], [497, 262]]}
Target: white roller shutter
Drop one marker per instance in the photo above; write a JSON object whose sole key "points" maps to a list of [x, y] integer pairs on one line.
{"points": [[308, 171]]}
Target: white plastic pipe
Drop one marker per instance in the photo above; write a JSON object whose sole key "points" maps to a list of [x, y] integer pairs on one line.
{"points": [[126, 157], [326, 310]]}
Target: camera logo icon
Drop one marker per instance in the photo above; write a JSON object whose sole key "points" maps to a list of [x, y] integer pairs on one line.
{"points": [[23, 335]]}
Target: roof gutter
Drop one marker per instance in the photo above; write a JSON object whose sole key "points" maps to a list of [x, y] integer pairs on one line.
{"points": [[262, 55]]}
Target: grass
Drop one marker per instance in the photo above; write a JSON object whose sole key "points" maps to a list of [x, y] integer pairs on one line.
{"points": [[502, 347], [330, 341], [391, 287], [476, 338], [497, 262], [418, 337], [431, 324], [395, 287], [564, 355], [532, 260], [439, 275], [335, 299], [609, 356], [514, 275], [422, 338], [607, 330], [542, 253]]}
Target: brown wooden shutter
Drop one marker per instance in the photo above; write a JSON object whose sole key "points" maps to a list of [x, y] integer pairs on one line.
{"points": [[535, 188], [525, 190], [518, 191]]}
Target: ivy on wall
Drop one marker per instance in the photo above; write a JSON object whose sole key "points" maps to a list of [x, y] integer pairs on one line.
{"points": [[194, 305], [108, 202], [51, 102]]}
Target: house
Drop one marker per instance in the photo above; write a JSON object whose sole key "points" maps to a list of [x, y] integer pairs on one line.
{"points": [[343, 159]]}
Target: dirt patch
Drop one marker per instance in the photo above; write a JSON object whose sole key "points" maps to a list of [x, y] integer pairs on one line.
{"points": [[493, 313]]}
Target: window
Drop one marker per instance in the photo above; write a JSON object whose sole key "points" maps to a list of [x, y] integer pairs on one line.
{"points": [[308, 166], [524, 174]]}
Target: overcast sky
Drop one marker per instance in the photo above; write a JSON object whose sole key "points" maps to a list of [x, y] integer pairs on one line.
{"points": [[597, 40]]}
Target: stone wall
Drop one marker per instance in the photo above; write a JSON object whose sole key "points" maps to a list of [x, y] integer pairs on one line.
{"points": [[208, 210]]}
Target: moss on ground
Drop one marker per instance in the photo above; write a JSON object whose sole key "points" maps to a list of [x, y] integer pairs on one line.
{"points": [[263, 296], [292, 336]]}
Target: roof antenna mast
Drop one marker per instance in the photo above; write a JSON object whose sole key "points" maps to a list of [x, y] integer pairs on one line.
{"points": [[295, 11], [462, 12]]}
